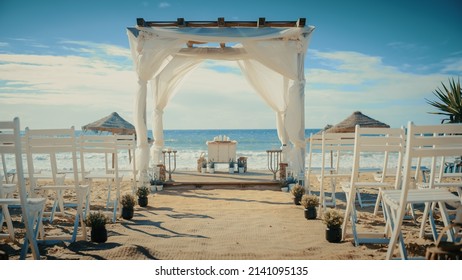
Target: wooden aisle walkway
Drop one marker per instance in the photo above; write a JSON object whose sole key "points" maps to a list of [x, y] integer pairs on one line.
{"points": [[223, 178]]}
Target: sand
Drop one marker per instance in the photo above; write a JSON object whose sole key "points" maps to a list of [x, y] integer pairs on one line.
{"points": [[217, 223]]}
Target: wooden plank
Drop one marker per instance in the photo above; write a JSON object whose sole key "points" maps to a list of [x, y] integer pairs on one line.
{"points": [[228, 183]]}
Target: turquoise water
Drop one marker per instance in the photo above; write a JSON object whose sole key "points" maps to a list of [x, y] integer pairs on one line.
{"points": [[251, 143]]}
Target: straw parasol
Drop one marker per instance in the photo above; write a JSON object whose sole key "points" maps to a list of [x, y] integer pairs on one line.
{"points": [[348, 124], [112, 123]]}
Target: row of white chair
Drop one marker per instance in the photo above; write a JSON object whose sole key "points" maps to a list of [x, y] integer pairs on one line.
{"points": [[421, 142], [48, 144]]}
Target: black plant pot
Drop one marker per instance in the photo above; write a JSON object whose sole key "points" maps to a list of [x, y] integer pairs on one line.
{"points": [[310, 213], [143, 201], [334, 235], [297, 200], [127, 213], [98, 234]]}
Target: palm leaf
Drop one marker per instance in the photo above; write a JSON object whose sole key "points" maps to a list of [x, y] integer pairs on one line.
{"points": [[449, 101]]}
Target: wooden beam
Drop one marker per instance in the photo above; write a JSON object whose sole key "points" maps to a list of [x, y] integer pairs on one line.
{"points": [[261, 22], [140, 22], [221, 22], [180, 22], [301, 22]]}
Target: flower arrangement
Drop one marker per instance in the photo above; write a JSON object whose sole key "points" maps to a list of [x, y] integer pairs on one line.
{"points": [[128, 201], [297, 191], [308, 201], [96, 219], [332, 218], [142, 191], [156, 181]]}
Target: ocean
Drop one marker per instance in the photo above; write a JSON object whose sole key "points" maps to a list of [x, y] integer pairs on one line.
{"points": [[190, 144]]}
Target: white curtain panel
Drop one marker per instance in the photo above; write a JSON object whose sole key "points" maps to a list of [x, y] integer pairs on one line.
{"points": [[271, 59]]}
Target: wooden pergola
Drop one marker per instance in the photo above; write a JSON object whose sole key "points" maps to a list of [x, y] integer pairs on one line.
{"points": [[165, 51]]}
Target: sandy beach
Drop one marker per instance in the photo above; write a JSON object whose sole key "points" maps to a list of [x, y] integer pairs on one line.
{"points": [[217, 223]]}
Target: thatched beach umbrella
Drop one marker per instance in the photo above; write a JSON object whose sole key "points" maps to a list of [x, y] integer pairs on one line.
{"points": [[349, 124], [112, 123]]}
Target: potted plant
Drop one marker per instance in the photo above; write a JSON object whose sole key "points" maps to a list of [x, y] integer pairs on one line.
{"points": [[97, 221], [142, 193], [298, 191], [156, 184], [241, 166], [291, 182], [211, 166], [204, 166], [231, 166], [333, 220], [128, 202], [310, 202]]}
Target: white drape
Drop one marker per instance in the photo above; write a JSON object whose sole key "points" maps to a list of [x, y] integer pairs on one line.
{"points": [[270, 58], [164, 86], [284, 94]]}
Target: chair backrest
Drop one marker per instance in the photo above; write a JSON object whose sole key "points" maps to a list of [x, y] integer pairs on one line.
{"points": [[128, 143], [315, 144], [98, 144], [437, 142], [335, 144], [380, 141], [10, 142], [52, 142]]}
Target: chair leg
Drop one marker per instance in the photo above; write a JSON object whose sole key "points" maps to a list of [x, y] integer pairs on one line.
{"points": [[378, 202], [5, 217]]}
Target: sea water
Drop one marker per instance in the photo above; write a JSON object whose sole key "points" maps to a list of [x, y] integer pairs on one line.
{"points": [[191, 144]]}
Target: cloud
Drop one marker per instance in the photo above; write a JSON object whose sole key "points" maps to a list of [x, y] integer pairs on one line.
{"points": [[92, 80], [362, 82], [406, 46], [90, 47], [164, 5], [453, 66], [84, 87]]}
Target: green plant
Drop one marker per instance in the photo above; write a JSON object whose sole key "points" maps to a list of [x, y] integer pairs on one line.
{"points": [[128, 201], [332, 218], [450, 103], [96, 219], [204, 164], [142, 191], [309, 201], [231, 163], [211, 164], [297, 191]]}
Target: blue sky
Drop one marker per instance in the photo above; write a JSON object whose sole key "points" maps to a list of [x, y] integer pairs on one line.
{"points": [[65, 63]]}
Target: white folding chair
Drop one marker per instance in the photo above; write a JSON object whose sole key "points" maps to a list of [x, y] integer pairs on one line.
{"points": [[371, 142], [315, 146], [31, 208], [51, 144], [92, 145], [430, 141], [127, 143], [337, 145]]}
